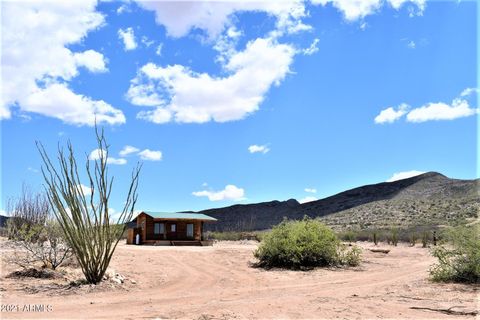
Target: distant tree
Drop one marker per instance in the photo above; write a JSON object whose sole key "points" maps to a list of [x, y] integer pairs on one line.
{"points": [[87, 223]]}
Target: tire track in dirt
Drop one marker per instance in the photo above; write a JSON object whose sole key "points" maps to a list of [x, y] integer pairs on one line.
{"points": [[218, 282]]}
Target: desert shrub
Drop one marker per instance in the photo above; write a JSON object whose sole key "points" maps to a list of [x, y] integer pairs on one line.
{"points": [[41, 243], [225, 235], [425, 239], [434, 238], [413, 239], [28, 210], [38, 237], [304, 244], [349, 256], [363, 235], [394, 236], [459, 256], [349, 236], [260, 235], [3, 232], [233, 235]]}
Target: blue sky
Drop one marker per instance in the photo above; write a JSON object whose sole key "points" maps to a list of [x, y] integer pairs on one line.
{"points": [[241, 102]]}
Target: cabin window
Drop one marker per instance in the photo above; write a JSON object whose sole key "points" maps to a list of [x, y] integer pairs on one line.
{"points": [[159, 228], [190, 230], [173, 228]]}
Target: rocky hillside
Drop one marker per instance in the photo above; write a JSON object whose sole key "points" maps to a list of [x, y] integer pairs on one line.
{"points": [[427, 199]]}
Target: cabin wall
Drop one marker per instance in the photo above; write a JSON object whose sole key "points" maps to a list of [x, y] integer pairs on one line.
{"points": [[197, 230], [145, 223], [130, 236], [179, 234]]}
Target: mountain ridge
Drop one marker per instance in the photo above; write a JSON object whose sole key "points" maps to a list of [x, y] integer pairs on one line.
{"points": [[421, 190]]}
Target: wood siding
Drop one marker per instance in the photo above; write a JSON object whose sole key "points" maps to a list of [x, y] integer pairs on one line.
{"points": [[147, 223]]}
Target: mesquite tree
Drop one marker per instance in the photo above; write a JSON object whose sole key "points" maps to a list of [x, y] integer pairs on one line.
{"points": [[84, 216]]}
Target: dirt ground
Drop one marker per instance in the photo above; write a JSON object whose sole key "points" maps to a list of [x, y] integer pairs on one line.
{"points": [[219, 283]]}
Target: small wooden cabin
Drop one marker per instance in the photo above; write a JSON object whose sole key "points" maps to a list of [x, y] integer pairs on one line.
{"points": [[165, 228]]}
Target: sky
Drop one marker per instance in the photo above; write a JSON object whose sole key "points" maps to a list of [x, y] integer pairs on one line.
{"points": [[240, 102]]}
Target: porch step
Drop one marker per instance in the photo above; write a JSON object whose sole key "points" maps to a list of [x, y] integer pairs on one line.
{"points": [[186, 243]]}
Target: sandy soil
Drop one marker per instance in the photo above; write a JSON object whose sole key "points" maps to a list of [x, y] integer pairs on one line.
{"points": [[219, 283]]}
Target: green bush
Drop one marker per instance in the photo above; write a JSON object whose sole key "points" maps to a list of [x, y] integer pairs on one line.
{"points": [[348, 236], [413, 239], [375, 237], [43, 243], [233, 235], [425, 239], [224, 236], [304, 244], [459, 256]]}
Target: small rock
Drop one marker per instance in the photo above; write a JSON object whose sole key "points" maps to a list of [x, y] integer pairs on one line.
{"points": [[116, 280], [110, 274], [133, 281]]}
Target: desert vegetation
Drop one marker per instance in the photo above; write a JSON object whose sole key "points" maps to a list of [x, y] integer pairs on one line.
{"points": [[37, 237], [458, 256], [234, 235], [84, 216], [409, 214], [304, 244]]}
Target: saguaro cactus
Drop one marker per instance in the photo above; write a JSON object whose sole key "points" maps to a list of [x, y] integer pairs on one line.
{"points": [[87, 224]]}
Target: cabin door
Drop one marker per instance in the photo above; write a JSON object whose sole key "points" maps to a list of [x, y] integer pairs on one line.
{"points": [[172, 234], [189, 230]]}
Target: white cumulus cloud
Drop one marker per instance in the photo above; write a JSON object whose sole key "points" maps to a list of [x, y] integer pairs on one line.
{"points": [[58, 101], [177, 93], [258, 149], [92, 60], [150, 155], [459, 108], [307, 199], [87, 191], [128, 150], [310, 190], [469, 91], [37, 62], [231, 192], [179, 18], [97, 154], [213, 17], [359, 9], [128, 38], [390, 115], [146, 154], [183, 95], [405, 175], [123, 8]]}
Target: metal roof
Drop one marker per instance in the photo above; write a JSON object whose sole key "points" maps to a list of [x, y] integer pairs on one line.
{"points": [[179, 215]]}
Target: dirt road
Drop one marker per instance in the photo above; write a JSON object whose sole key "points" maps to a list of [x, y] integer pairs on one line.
{"points": [[219, 283]]}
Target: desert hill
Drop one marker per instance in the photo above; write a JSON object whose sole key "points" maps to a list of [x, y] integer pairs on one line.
{"points": [[427, 199]]}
